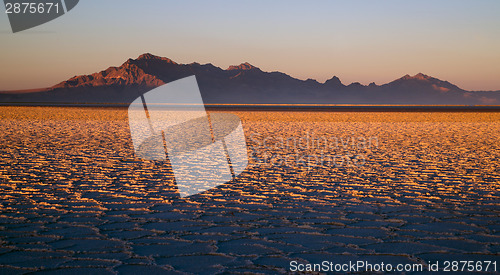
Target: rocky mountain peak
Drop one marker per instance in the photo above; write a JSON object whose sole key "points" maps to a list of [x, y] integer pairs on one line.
{"points": [[419, 76], [334, 81], [243, 67], [148, 56]]}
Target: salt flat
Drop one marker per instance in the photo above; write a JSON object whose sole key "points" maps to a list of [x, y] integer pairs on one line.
{"points": [[75, 199]]}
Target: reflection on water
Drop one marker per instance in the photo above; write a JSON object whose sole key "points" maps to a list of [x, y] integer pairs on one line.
{"points": [[73, 195]]}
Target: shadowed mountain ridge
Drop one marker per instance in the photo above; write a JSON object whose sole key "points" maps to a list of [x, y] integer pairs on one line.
{"points": [[246, 84]]}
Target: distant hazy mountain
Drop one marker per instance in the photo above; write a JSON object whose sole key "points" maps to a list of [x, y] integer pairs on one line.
{"points": [[246, 84]]}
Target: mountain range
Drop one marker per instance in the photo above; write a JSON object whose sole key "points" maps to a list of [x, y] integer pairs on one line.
{"points": [[245, 84]]}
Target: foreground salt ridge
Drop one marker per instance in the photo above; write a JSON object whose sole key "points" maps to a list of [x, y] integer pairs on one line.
{"points": [[74, 197]]}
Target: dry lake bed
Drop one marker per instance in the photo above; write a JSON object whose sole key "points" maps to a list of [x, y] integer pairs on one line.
{"points": [[397, 188]]}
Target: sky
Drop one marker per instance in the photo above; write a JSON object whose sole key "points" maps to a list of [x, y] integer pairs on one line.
{"points": [[358, 41]]}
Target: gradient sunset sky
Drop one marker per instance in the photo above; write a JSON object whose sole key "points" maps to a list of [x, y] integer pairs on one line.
{"points": [[363, 41]]}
